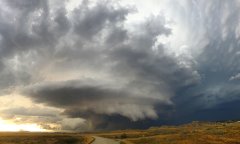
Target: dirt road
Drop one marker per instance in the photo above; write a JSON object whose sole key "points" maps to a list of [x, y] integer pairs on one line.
{"points": [[100, 140]]}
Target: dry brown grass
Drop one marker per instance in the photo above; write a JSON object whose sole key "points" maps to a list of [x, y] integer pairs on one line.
{"points": [[88, 139], [42, 138], [194, 133]]}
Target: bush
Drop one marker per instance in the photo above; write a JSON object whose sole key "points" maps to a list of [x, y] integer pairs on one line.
{"points": [[123, 136]]}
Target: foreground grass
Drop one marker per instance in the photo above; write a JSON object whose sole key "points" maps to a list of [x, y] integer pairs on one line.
{"points": [[42, 138], [194, 133]]}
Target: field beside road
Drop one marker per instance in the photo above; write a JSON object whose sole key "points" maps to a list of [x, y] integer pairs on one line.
{"points": [[43, 138], [193, 133]]}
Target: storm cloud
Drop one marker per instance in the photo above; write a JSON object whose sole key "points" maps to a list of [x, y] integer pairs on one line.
{"points": [[103, 65]]}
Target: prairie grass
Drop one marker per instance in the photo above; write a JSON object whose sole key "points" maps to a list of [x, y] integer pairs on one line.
{"points": [[193, 133], [41, 138]]}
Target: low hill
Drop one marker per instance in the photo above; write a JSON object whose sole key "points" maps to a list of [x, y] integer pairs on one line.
{"points": [[193, 133]]}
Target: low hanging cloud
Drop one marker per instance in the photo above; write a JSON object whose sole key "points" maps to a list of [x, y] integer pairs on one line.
{"points": [[75, 97], [103, 72]]}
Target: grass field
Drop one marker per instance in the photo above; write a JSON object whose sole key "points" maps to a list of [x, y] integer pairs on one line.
{"points": [[43, 138], [194, 133]]}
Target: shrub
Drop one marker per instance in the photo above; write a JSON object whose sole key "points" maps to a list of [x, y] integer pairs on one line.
{"points": [[123, 136]]}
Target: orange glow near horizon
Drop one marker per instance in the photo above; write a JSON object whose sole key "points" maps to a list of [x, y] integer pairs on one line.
{"points": [[6, 126]]}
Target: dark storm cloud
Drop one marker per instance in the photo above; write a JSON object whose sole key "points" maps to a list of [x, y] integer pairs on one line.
{"points": [[17, 29], [151, 77], [29, 26], [218, 64], [118, 121], [25, 30], [108, 122], [90, 21], [74, 96]]}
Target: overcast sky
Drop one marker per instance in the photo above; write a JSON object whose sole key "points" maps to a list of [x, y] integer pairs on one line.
{"points": [[100, 64]]}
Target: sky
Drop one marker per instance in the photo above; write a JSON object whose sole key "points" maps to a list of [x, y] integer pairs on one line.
{"points": [[89, 65]]}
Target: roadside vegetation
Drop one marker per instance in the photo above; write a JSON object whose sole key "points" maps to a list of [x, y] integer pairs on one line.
{"points": [[194, 133], [42, 138]]}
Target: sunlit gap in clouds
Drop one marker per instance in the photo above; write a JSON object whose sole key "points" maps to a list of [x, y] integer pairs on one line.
{"points": [[7, 126]]}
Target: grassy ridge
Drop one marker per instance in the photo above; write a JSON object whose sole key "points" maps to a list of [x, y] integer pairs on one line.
{"points": [[194, 133]]}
